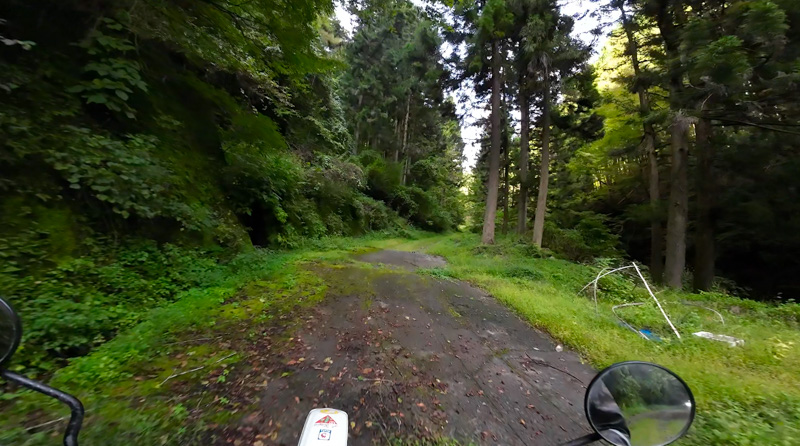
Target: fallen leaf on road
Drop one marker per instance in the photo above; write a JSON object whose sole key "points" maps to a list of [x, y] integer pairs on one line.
{"points": [[297, 400], [367, 371], [522, 422], [252, 418]]}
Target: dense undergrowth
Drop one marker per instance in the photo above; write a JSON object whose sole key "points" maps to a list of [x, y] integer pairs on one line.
{"points": [[746, 395]]}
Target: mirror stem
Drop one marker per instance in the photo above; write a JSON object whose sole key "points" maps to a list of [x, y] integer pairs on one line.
{"points": [[586, 439], [75, 406]]}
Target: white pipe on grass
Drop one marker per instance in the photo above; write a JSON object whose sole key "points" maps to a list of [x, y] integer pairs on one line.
{"points": [[657, 302], [600, 275]]}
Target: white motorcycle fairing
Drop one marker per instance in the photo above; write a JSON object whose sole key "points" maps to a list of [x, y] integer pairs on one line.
{"points": [[325, 427]]}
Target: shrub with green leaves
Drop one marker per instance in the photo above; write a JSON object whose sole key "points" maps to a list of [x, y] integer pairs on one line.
{"points": [[81, 303], [580, 236]]}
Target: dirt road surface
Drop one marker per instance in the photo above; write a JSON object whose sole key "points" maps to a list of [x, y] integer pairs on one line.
{"points": [[411, 357]]}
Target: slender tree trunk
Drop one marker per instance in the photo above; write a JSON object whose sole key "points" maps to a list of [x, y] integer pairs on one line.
{"points": [[505, 193], [544, 168], [522, 206], [494, 153], [406, 167], [649, 145], [704, 238], [358, 127], [405, 131], [505, 146], [656, 229], [678, 212]]}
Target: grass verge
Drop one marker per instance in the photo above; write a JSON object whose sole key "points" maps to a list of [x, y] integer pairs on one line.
{"points": [[746, 395]]}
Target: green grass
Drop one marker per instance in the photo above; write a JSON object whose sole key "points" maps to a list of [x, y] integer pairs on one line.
{"points": [[745, 395], [649, 431]]}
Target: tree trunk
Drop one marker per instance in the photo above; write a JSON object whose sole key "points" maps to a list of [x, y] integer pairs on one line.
{"points": [[358, 125], [667, 14], [505, 146], [656, 230], [522, 206], [494, 153], [406, 167], [649, 145], [505, 193], [704, 238], [678, 211], [405, 132], [544, 168]]}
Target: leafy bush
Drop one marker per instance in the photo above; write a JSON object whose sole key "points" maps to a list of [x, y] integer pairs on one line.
{"points": [[375, 215], [112, 76], [580, 236], [427, 209], [83, 302], [422, 209]]}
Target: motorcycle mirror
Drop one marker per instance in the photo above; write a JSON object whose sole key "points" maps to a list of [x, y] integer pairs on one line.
{"points": [[10, 335], [10, 332], [639, 404]]}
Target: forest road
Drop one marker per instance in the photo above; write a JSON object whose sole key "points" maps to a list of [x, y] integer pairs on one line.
{"points": [[413, 357]]}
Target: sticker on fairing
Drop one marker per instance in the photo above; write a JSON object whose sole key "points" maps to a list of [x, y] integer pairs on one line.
{"points": [[327, 420], [324, 434]]}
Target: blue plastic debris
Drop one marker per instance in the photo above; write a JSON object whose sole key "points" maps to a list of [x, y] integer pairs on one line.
{"points": [[650, 335]]}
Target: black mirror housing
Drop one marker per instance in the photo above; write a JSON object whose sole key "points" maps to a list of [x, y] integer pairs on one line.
{"points": [[10, 332], [639, 403]]}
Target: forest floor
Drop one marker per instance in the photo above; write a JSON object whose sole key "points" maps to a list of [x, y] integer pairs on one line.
{"points": [[422, 340]]}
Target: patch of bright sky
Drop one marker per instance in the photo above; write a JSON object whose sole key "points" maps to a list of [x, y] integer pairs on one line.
{"points": [[470, 108]]}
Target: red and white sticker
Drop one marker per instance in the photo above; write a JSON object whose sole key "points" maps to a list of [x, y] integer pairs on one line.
{"points": [[327, 421]]}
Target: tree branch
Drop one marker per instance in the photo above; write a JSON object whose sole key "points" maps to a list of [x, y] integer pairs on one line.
{"points": [[754, 124]]}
